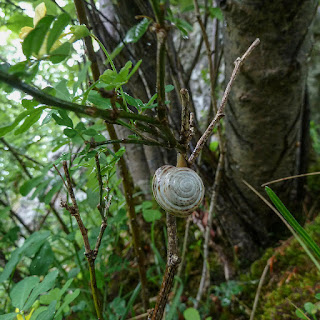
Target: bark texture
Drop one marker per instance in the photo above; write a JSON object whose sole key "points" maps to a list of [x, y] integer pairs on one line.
{"points": [[265, 116]]}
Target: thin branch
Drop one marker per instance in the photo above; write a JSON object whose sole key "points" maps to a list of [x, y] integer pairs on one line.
{"points": [[14, 214], [256, 299], [220, 114], [291, 177], [90, 255], [17, 156], [52, 101]]}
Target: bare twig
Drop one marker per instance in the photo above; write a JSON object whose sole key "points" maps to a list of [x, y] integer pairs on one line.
{"points": [[256, 299], [90, 255], [291, 177], [220, 114]]}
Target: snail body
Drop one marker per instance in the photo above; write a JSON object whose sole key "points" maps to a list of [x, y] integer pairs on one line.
{"points": [[178, 190]]}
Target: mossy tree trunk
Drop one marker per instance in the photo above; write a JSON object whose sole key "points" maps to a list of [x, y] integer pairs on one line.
{"points": [[266, 117]]}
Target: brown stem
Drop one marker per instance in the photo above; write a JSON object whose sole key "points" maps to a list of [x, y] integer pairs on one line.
{"points": [[90, 255], [128, 193], [173, 260], [81, 12]]}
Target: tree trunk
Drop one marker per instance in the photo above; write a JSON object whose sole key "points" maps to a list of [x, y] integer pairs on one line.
{"points": [[265, 116]]}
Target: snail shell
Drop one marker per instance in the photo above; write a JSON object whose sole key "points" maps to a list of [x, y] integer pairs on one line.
{"points": [[178, 191]]}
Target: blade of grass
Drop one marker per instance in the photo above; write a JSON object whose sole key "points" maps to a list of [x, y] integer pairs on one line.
{"points": [[293, 222], [303, 245]]}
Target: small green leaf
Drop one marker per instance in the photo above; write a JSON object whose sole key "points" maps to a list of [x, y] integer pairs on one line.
{"points": [[310, 308], [46, 284], [151, 215], [62, 121], [67, 300], [19, 118], [95, 98], [42, 261], [90, 132], [49, 313], [169, 88], [216, 13], [300, 314], [58, 26], [17, 21], [8, 316], [30, 246], [34, 40], [70, 132], [20, 292], [54, 294], [60, 53], [26, 188], [30, 120], [191, 314]]}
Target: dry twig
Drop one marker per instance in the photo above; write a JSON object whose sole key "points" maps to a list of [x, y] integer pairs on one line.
{"points": [[220, 114]]}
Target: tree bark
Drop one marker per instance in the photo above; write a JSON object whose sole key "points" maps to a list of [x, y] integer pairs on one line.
{"points": [[265, 116]]}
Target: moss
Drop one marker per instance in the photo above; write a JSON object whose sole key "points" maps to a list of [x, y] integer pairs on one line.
{"points": [[292, 278]]}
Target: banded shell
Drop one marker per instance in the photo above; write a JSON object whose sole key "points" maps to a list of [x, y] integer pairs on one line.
{"points": [[178, 191]]}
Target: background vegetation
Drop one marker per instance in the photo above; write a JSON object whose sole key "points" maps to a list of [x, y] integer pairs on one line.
{"points": [[95, 96]]}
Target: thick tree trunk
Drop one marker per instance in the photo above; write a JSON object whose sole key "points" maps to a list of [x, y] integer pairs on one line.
{"points": [[265, 115]]}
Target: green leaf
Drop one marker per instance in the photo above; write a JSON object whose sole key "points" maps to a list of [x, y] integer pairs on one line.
{"points": [[317, 296], [132, 36], [32, 243], [46, 284], [216, 13], [64, 120], [95, 98], [49, 313], [70, 133], [8, 316], [26, 188], [55, 188], [42, 261], [90, 132], [169, 88], [300, 314], [18, 21], [123, 74], [67, 300], [135, 68], [191, 314], [19, 118], [29, 104], [20, 292], [63, 93], [58, 26], [310, 308], [34, 40], [151, 215], [31, 119], [293, 222], [60, 53], [54, 294]]}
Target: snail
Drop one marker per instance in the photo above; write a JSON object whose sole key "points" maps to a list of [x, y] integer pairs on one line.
{"points": [[178, 190]]}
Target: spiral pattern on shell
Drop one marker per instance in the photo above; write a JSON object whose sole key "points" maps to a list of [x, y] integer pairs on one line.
{"points": [[178, 191]]}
